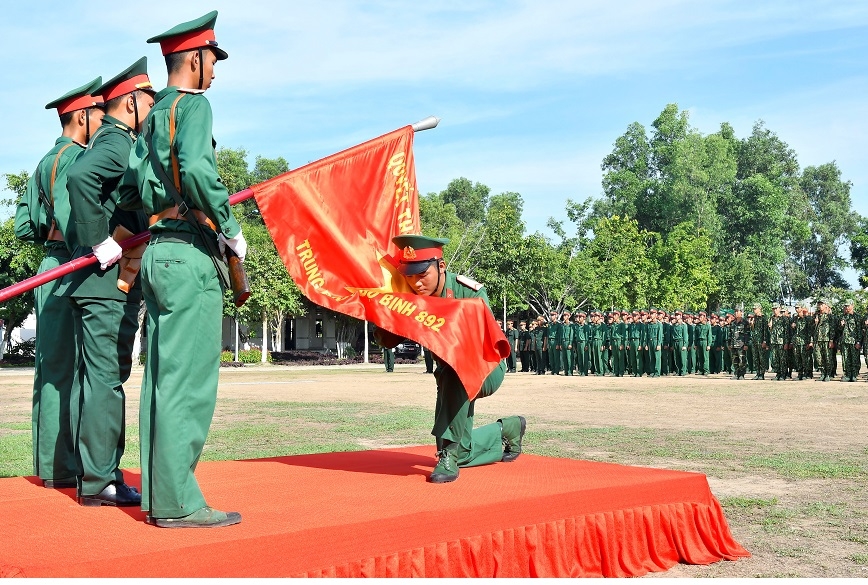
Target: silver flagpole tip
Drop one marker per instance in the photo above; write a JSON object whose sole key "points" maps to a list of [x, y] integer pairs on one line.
{"points": [[426, 124]]}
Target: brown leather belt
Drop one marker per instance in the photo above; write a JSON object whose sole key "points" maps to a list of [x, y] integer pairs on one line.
{"points": [[54, 234], [175, 213]]}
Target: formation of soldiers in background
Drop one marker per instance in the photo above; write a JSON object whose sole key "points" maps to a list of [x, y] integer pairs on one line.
{"points": [[787, 344]]}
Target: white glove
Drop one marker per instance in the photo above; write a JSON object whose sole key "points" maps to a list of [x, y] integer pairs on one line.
{"points": [[238, 244], [108, 252]]}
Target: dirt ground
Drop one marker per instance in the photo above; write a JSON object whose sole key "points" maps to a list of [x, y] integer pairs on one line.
{"points": [[811, 526]]}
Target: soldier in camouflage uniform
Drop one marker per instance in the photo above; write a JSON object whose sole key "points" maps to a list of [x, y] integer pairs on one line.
{"points": [[738, 340], [778, 327], [850, 342], [759, 337], [803, 343], [824, 338]]}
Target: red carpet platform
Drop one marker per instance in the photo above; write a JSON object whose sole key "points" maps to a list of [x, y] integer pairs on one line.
{"points": [[371, 513]]}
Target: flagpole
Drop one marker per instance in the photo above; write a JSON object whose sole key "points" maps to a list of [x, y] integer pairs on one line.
{"points": [[84, 261]]}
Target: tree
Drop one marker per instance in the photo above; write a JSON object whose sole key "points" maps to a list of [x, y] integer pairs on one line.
{"points": [[859, 251], [685, 262], [470, 200], [619, 271], [831, 224], [501, 254], [18, 260]]}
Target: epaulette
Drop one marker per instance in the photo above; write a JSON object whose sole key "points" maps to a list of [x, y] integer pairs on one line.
{"points": [[468, 282], [127, 130], [192, 91]]}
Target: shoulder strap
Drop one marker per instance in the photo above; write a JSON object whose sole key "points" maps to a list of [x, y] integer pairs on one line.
{"points": [[54, 173], [174, 192], [176, 171]]}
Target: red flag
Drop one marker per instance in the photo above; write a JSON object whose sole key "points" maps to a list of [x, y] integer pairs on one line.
{"points": [[333, 221]]}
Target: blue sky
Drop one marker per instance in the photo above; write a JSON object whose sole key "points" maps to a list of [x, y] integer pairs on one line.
{"points": [[532, 95]]}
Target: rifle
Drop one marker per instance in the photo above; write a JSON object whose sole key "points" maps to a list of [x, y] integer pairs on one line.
{"points": [[78, 263]]}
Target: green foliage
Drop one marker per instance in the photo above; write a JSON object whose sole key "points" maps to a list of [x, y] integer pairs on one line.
{"points": [[18, 260], [245, 356]]}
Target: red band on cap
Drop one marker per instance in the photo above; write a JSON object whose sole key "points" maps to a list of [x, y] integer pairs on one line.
{"points": [[187, 41], [79, 103], [128, 86]]}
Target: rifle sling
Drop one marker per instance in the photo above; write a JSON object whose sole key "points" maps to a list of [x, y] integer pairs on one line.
{"points": [[183, 208]]}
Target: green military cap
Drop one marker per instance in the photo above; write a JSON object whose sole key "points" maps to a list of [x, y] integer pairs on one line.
{"points": [[418, 253], [757, 306], [581, 314], [195, 34], [134, 77], [79, 98], [739, 307]]}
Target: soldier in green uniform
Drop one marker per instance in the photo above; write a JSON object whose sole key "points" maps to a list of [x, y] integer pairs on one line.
{"points": [[666, 356], [618, 337], [655, 343], [567, 343], [181, 284], [553, 343], [595, 339], [644, 356], [634, 333], [679, 343], [105, 316], [690, 321], [512, 338], [703, 344], [738, 340], [389, 358], [458, 443], [580, 343], [717, 344], [538, 339], [523, 346], [43, 217], [542, 329], [850, 342], [606, 351]]}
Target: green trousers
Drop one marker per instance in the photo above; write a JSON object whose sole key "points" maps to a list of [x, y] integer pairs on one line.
{"points": [[850, 361], [567, 360], [104, 334], [179, 390], [453, 417], [739, 360], [389, 359], [580, 356], [53, 438], [680, 360], [554, 358], [702, 364]]}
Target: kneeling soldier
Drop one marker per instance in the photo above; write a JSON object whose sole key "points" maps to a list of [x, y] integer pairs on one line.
{"points": [[458, 443]]}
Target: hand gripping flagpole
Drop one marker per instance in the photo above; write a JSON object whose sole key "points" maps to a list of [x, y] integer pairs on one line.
{"points": [[78, 263]]}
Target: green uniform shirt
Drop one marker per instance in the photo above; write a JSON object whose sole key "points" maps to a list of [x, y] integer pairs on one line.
{"points": [[850, 329], [679, 335], [201, 186], [32, 222], [92, 182]]}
